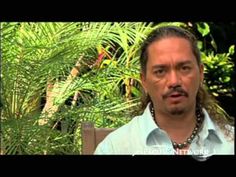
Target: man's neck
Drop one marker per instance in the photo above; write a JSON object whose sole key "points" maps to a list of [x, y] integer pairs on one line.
{"points": [[178, 127]]}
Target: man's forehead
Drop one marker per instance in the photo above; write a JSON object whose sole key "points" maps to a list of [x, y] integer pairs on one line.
{"points": [[181, 61]]}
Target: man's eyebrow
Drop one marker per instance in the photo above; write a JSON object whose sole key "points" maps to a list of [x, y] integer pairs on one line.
{"points": [[184, 62], [159, 66], [178, 63]]}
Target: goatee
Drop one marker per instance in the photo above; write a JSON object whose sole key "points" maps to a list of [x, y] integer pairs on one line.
{"points": [[176, 111]]}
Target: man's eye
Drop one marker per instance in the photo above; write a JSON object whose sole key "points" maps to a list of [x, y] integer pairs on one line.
{"points": [[159, 72], [186, 68]]}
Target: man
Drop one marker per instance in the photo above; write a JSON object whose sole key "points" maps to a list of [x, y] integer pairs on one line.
{"points": [[180, 117]]}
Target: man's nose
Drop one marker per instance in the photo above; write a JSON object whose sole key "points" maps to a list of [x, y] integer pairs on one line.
{"points": [[174, 79]]}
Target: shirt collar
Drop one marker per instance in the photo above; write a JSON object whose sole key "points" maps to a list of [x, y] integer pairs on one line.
{"points": [[210, 129], [147, 126]]}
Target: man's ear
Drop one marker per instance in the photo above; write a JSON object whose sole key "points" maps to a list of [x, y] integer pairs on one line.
{"points": [[143, 81]]}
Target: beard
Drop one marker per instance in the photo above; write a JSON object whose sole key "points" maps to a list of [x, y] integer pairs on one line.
{"points": [[176, 111]]}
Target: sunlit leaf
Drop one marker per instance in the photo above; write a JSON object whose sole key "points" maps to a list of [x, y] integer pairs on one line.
{"points": [[203, 28], [231, 49]]}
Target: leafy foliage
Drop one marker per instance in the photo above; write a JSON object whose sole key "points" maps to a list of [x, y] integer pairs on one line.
{"points": [[218, 66], [218, 71], [35, 54]]}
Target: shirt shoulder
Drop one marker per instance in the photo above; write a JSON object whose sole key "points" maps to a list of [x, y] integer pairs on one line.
{"points": [[220, 139], [119, 141]]}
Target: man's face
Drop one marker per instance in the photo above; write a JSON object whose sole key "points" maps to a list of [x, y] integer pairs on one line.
{"points": [[172, 64]]}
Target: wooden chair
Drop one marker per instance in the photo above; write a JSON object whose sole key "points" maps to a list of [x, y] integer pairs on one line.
{"points": [[92, 136]]}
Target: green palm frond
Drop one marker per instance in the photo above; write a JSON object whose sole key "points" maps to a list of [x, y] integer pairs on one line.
{"points": [[34, 54]]}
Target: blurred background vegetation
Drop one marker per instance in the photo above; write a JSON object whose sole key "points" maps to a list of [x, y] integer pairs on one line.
{"points": [[56, 75]]}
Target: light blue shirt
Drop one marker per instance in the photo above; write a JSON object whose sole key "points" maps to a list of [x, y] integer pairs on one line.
{"points": [[142, 136]]}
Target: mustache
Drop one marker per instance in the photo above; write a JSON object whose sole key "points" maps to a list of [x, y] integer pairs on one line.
{"points": [[180, 90]]}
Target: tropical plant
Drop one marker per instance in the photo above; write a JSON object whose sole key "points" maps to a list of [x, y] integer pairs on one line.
{"points": [[218, 66], [57, 62]]}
